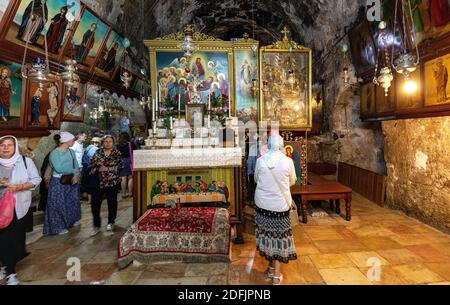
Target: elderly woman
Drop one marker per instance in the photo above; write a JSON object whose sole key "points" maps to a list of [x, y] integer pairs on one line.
{"points": [[63, 205], [20, 176], [107, 163], [274, 174]]}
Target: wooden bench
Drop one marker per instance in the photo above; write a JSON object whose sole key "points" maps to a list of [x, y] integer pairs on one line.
{"points": [[322, 189]]}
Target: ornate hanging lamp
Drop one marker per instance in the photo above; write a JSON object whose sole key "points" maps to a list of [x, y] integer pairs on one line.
{"points": [[125, 75], [188, 46], [386, 77], [407, 62], [69, 76], [39, 71]]}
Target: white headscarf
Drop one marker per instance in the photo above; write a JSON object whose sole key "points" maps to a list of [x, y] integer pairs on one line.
{"points": [[275, 147], [11, 161]]}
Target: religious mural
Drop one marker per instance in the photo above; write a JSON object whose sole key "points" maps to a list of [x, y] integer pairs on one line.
{"points": [[286, 89], [10, 95], [385, 103], [246, 71], [367, 99], [3, 7], [362, 47], [112, 54], [293, 149], [437, 89], [182, 82], [73, 104], [407, 100], [29, 23], [431, 18], [88, 38], [43, 102], [194, 115]]}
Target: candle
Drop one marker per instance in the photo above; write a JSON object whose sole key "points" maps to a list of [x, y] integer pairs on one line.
{"points": [[153, 110], [159, 93], [209, 121], [179, 104], [171, 122], [154, 127]]}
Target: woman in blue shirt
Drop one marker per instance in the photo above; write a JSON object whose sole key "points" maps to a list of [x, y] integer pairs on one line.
{"points": [[63, 204]]}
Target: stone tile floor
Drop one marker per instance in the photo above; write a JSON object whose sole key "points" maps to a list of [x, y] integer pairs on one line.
{"points": [[330, 251]]}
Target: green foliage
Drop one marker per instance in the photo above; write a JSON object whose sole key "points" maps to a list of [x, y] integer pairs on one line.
{"points": [[169, 110], [218, 112]]}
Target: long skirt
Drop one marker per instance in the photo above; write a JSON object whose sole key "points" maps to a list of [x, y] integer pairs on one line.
{"points": [[12, 243], [63, 207], [274, 235]]}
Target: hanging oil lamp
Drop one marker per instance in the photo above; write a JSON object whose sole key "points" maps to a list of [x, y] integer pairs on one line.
{"points": [[126, 78], [69, 76], [188, 46], [39, 73], [407, 62], [255, 87], [386, 77]]}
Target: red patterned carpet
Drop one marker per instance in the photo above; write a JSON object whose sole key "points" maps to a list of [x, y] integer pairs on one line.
{"points": [[177, 234]]}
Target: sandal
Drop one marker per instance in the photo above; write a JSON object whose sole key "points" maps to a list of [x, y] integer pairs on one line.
{"points": [[279, 278], [270, 272]]}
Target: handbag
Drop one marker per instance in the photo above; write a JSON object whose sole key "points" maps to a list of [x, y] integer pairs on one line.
{"points": [[293, 213], [67, 178], [91, 180], [7, 205]]}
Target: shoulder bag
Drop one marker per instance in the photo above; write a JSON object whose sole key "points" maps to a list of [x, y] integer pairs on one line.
{"points": [[67, 179], [293, 214]]}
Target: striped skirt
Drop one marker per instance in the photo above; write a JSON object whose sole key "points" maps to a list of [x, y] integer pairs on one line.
{"points": [[274, 238]]}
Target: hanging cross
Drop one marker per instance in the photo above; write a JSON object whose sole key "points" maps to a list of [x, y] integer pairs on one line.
{"points": [[285, 31]]}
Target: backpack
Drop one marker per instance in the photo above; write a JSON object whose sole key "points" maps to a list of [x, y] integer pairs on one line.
{"points": [[85, 161]]}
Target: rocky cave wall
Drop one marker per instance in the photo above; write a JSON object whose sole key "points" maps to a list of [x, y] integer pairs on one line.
{"points": [[345, 137], [418, 163]]}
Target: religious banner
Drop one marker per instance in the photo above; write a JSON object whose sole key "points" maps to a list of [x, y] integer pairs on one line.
{"points": [[36, 20], [246, 75], [286, 84]]}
